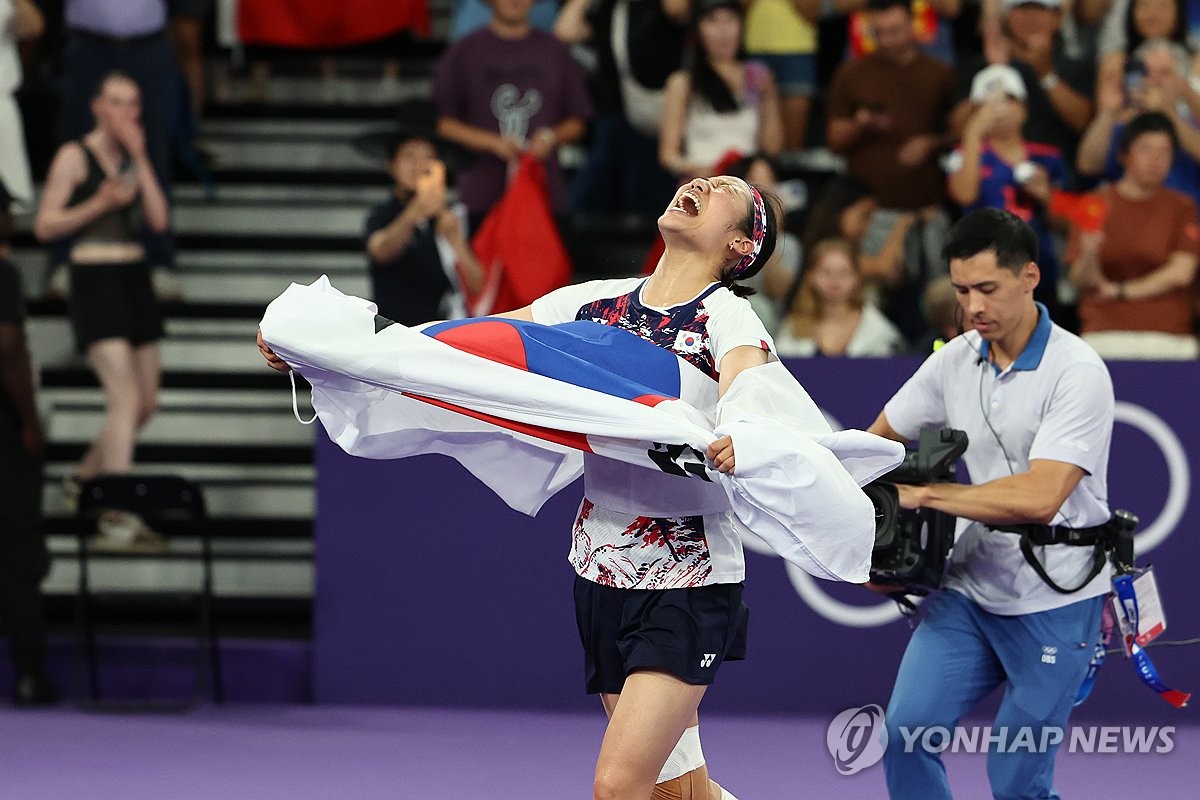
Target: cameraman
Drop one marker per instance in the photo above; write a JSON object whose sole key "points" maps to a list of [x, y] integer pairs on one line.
{"points": [[1037, 405]]}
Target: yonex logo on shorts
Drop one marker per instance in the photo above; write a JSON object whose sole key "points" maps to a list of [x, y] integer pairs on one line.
{"points": [[708, 659]]}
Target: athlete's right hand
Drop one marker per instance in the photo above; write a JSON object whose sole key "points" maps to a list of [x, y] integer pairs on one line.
{"points": [[273, 361]]}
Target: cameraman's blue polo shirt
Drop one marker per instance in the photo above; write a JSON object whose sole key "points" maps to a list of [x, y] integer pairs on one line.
{"points": [[1055, 402]]}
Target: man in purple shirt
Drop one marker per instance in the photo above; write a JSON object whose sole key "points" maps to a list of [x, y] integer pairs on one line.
{"points": [[505, 90]]}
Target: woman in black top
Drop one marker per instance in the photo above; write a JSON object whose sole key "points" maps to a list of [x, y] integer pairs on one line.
{"points": [[99, 191]]}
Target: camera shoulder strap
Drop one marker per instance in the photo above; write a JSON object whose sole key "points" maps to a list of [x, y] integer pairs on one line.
{"points": [[1098, 555]]}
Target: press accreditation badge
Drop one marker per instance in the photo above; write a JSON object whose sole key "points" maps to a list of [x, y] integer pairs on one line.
{"points": [[1150, 619]]}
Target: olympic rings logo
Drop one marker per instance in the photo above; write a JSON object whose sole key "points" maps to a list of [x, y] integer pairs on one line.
{"points": [[1151, 536]]}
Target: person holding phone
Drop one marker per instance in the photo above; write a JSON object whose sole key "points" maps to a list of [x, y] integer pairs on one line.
{"points": [[995, 166], [1156, 81], [98, 191], [416, 242], [1027, 37]]}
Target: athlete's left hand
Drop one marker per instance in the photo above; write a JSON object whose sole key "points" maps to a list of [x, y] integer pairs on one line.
{"points": [[720, 453]]}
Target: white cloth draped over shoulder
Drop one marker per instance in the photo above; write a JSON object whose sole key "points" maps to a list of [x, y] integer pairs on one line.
{"points": [[518, 404]]}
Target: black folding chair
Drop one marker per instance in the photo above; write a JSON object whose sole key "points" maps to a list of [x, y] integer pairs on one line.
{"points": [[172, 506]]}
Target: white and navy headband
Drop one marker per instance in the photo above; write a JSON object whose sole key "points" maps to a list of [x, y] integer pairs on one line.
{"points": [[757, 234]]}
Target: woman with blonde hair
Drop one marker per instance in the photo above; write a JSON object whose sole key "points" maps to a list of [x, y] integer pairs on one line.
{"points": [[830, 315]]}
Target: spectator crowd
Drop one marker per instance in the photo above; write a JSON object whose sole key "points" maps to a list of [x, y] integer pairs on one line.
{"points": [[1079, 116]]}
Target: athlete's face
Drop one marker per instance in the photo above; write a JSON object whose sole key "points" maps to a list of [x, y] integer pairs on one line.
{"points": [[711, 212], [994, 299]]}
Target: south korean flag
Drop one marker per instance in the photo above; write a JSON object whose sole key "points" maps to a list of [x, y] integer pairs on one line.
{"points": [[688, 342]]}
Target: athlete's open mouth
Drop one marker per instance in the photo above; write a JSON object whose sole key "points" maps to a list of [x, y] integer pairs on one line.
{"points": [[688, 203]]}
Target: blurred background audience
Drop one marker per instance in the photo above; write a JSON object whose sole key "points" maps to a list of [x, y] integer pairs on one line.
{"points": [[830, 315], [1135, 274], [881, 121], [723, 103]]}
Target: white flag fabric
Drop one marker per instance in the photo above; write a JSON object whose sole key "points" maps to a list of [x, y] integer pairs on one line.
{"points": [[518, 404]]}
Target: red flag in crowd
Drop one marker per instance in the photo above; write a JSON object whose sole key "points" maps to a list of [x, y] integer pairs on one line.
{"points": [[321, 23], [518, 245], [1085, 211]]}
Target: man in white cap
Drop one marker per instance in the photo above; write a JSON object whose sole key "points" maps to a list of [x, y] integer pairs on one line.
{"points": [[995, 166], [1058, 88]]}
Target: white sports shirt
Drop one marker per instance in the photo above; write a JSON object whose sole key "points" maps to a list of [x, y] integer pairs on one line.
{"points": [[637, 529]]}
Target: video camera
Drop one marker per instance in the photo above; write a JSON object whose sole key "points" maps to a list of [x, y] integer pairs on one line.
{"points": [[911, 546]]}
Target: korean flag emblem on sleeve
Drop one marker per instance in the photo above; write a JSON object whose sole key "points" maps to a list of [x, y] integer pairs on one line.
{"points": [[687, 342]]}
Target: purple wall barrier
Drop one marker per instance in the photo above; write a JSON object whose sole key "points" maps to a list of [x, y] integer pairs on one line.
{"points": [[432, 591]]}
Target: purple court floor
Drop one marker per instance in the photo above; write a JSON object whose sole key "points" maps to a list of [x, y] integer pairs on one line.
{"points": [[297, 753]]}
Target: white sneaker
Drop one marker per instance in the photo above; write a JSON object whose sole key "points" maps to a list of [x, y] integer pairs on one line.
{"points": [[124, 531]]}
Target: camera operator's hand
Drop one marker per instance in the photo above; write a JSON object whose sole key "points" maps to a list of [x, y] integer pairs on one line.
{"points": [[910, 497], [720, 453]]}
